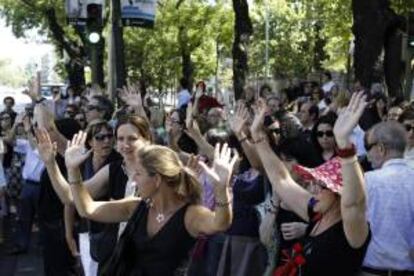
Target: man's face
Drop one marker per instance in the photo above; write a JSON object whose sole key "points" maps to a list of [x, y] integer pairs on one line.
{"points": [[409, 127], [394, 113], [93, 111], [375, 152], [213, 117], [303, 115], [8, 103], [273, 105]]}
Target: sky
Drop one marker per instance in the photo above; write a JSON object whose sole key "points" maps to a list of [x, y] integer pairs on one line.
{"points": [[21, 51]]}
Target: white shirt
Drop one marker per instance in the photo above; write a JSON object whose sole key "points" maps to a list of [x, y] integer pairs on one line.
{"points": [[33, 165], [409, 157], [357, 138], [130, 190], [184, 97], [327, 87], [390, 212]]}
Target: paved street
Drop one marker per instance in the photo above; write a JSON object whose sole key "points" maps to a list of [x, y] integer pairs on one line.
{"points": [[20, 265]]}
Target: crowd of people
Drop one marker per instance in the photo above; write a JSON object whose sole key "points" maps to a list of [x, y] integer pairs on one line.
{"points": [[310, 180]]}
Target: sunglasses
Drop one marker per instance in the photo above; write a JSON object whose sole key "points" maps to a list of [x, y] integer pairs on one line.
{"points": [[92, 107], [101, 137], [275, 130], [409, 128], [328, 133], [5, 118], [369, 146]]}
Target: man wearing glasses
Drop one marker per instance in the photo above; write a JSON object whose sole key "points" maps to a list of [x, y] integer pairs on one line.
{"points": [[99, 107]]}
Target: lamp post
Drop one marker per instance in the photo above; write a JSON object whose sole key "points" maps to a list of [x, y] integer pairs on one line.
{"points": [[267, 39]]}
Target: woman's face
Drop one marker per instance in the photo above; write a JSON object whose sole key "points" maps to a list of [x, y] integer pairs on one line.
{"points": [[380, 104], [274, 130], [146, 184], [80, 118], [325, 137], [102, 142], [326, 198], [129, 141]]}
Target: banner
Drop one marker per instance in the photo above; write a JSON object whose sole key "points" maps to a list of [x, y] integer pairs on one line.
{"points": [[139, 13], [76, 10]]}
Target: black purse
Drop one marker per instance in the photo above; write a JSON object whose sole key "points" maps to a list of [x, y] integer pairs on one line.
{"points": [[119, 263], [102, 243]]}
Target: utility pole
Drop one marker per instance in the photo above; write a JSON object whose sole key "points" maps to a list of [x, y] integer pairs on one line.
{"points": [[116, 51], [267, 39]]}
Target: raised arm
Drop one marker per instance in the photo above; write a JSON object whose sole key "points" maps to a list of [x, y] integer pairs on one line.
{"points": [[201, 220], [288, 190], [353, 198], [103, 211], [131, 95]]}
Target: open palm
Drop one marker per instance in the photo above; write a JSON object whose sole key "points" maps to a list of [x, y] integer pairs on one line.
{"points": [[239, 119], [348, 119], [222, 167], [131, 95], [76, 153], [47, 149]]}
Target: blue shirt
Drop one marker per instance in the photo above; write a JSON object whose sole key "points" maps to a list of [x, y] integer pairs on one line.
{"points": [[390, 211]]}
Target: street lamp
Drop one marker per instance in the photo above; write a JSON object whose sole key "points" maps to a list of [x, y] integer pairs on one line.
{"points": [[94, 37]]}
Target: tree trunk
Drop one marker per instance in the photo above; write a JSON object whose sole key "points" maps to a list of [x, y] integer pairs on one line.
{"points": [[242, 31]]}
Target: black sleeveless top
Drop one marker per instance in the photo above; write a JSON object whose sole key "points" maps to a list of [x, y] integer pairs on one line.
{"points": [[164, 253], [329, 253]]}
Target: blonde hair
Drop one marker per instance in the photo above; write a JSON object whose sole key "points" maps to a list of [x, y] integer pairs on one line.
{"points": [[164, 161]]}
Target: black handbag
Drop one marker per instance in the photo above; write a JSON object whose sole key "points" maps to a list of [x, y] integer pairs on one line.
{"points": [[102, 243], [119, 263]]}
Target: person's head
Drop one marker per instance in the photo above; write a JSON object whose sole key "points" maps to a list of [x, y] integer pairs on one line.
{"points": [[380, 103], [394, 113], [274, 132], [308, 113], [407, 119], [326, 200], [5, 121], [81, 119], [99, 107], [322, 134], [55, 92], [71, 111], [70, 91], [273, 103], [327, 76], [65, 127], [248, 94], [159, 170], [132, 133], [202, 86], [265, 91], [8, 102], [215, 116], [385, 141], [317, 94], [183, 83], [100, 138]]}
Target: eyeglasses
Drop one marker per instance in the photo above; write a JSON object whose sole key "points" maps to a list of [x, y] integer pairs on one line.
{"points": [[369, 146], [328, 133], [101, 137], [409, 127], [275, 130], [92, 107], [4, 118]]}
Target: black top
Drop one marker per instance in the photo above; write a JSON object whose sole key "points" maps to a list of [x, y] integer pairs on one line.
{"points": [[50, 207], [166, 251], [329, 253]]}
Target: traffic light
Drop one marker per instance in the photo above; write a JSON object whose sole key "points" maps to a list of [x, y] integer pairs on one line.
{"points": [[94, 22], [410, 31]]}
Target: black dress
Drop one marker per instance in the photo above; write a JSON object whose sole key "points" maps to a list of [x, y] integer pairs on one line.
{"points": [[166, 252]]}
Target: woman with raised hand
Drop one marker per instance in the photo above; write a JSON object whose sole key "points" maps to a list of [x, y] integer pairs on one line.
{"points": [[165, 219], [112, 181], [338, 232]]}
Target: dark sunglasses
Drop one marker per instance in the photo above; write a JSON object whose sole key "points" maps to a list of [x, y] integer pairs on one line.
{"points": [[275, 130], [328, 133], [92, 107], [101, 137], [409, 127], [369, 146]]}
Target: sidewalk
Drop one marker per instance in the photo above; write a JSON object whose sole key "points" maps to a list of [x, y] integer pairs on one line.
{"points": [[20, 265]]}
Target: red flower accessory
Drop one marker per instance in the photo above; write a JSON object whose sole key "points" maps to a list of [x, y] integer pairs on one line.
{"points": [[328, 174], [292, 262]]}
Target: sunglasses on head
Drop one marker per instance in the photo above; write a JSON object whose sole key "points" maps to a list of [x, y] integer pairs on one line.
{"points": [[92, 107], [328, 133], [409, 127], [101, 137]]}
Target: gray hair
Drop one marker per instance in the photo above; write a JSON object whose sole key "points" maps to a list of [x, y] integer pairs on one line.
{"points": [[391, 134]]}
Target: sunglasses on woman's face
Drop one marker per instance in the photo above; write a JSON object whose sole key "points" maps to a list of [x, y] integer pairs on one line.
{"points": [[409, 127], [101, 137], [328, 133]]}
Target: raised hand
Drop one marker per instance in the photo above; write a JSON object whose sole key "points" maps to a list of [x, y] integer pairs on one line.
{"points": [[34, 88], [256, 128], [223, 165], [192, 128], [47, 149], [348, 119], [239, 119], [76, 152], [192, 164], [131, 95]]}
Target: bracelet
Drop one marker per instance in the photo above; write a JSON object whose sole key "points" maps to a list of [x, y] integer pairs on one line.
{"points": [[346, 153], [75, 182], [261, 139], [222, 204], [348, 160]]}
